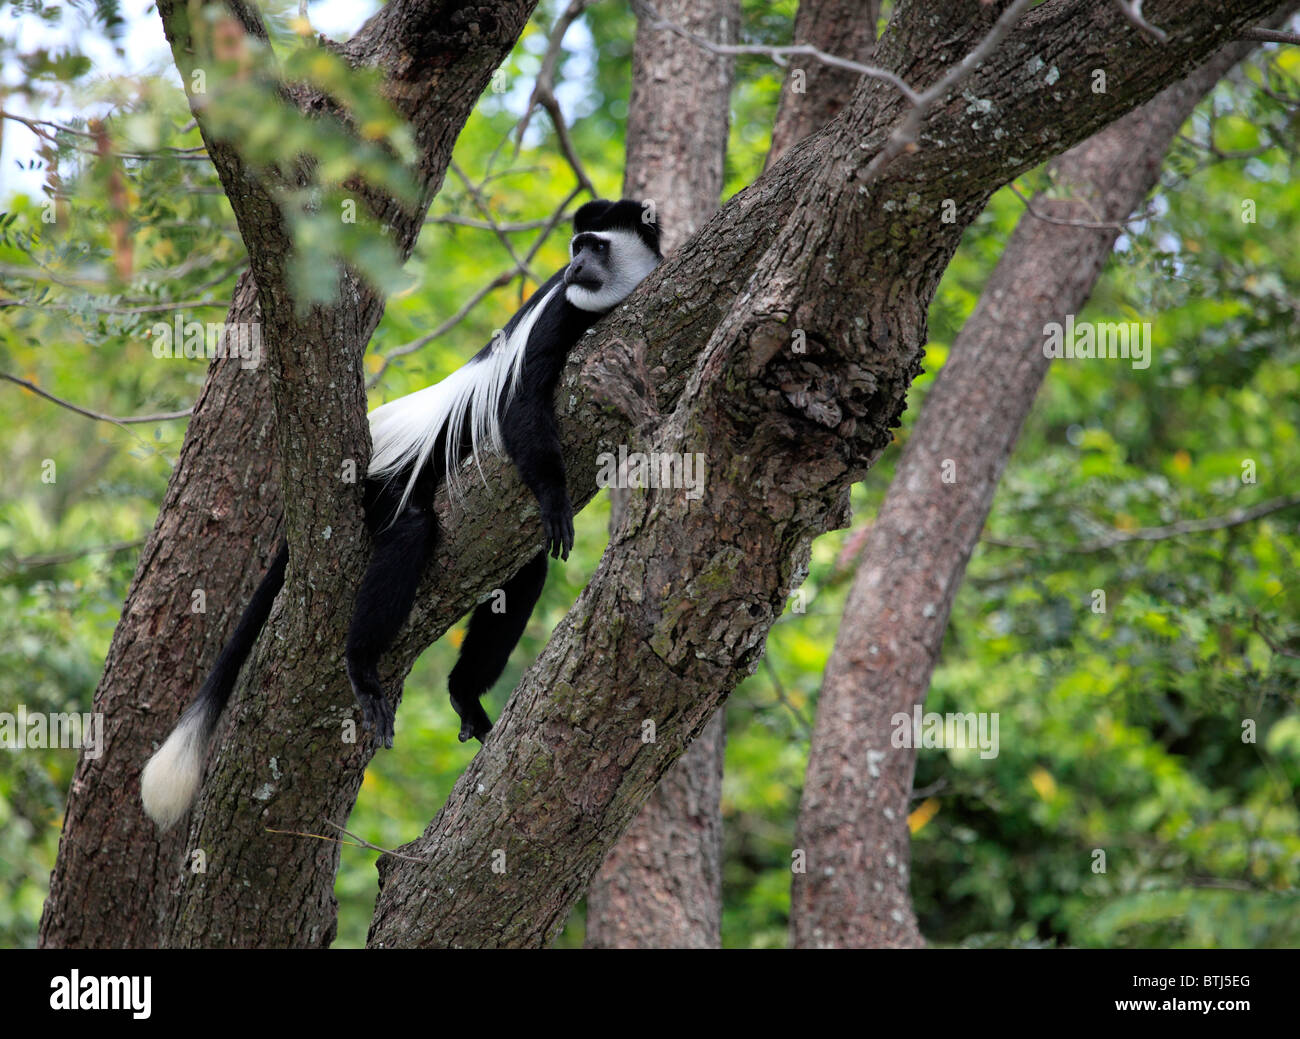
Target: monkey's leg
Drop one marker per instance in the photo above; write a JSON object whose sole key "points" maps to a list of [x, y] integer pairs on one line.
{"points": [[384, 601], [494, 631]]}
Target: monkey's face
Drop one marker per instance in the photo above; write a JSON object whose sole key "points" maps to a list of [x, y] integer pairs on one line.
{"points": [[605, 267]]}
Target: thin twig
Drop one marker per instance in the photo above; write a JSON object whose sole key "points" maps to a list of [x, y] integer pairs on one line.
{"points": [[484, 225], [570, 153], [777, 54], [546, 74], [805, 725], [921, 793], [554, 222], [197, 153], [1220, 154], [1089, 225], [86, 283], [104, 308], [1172, 530], [502, 279], [33, 562], [165, 416], [1270, 36], [483, 208], [543, 95], [35, 126], [1280, 650], [1290, 100], [360, 842]]}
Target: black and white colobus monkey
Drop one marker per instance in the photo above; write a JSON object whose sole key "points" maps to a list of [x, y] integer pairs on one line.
{"points": [[502, 399]]}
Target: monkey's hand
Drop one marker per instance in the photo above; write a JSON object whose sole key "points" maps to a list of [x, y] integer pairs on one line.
{"points": [[376, 714], [557, 524], [377, 717]]}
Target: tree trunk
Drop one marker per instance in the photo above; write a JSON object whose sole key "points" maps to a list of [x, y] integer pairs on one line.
{"points": [[853, 813], [813, 92], [114, 875], [678, 116], [661, 886], [111, 872]]}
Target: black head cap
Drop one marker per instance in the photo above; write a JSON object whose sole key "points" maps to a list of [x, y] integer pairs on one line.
{"points": [[624, 215]]}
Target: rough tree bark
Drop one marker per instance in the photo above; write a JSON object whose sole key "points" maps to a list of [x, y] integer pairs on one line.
{"points": [[678, 116], [112, 880], [661, 886], [853, 812], [843, 241]]}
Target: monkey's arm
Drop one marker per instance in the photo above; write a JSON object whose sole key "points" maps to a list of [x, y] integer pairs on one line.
{"points": [[532, 439]]}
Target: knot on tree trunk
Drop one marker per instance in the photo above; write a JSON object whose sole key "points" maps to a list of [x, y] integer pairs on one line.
{"points": [[817, 388], [619, 378]]}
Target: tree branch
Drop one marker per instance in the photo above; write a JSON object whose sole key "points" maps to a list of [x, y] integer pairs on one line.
{"points": [[1270, 36], [59, 558], [661, 885]]}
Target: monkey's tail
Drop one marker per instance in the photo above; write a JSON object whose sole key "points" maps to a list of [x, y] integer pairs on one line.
{"points": [[171, 777]]}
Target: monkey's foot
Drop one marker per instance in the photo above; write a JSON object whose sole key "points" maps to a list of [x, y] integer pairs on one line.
{"points": [[376, 714], [474, 722], [377, 717]]}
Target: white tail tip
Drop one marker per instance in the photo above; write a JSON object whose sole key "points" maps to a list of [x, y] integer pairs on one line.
{"points": [[171, 777]]}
